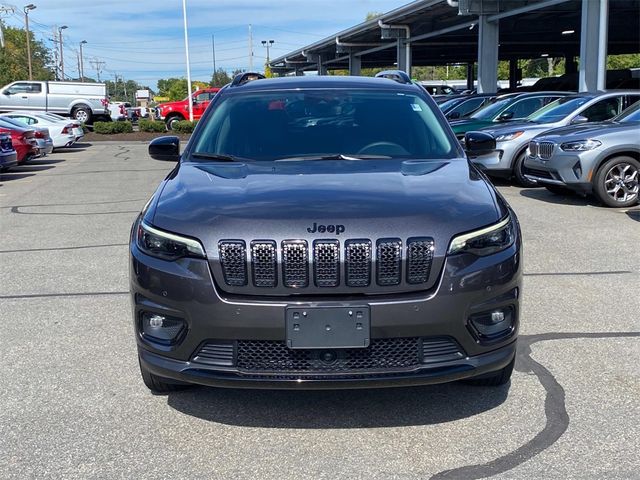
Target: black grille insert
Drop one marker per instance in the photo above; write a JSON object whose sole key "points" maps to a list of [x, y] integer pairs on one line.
{"points": [[295, 263], [326, 263], [220, 354], [358, 263], [263, 263], [388, 261], [385, 354], [419, 259], [233, 258]]}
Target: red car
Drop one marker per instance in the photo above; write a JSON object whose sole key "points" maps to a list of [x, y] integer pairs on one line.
{"points": [[23, 140], [172, 112]]}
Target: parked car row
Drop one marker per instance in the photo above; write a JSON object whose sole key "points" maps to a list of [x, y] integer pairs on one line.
{"points": [[583, 142], [30, 135]]}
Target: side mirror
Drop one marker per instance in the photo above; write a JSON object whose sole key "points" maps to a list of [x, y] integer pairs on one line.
{"points": [[165, 148], [7, 92], [579, 119], [505, 116], [453, 115], [479, 143]]}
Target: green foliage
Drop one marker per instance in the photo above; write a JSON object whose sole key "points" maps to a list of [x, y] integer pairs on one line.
{"points": [[110, 128], [151, 125], [174, 88], [184, 126], [630, 60], [13, 57], [220, 78]]}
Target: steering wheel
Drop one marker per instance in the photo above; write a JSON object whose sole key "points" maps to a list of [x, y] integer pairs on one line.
{"points": [[383, 148]]}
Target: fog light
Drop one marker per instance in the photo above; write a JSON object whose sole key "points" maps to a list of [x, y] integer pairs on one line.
{"points": [[493, 325], [161, 328]]}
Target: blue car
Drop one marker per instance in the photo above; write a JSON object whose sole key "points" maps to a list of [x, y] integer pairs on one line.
{"points": [[8, 156]]}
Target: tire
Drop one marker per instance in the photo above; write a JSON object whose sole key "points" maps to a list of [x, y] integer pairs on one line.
{"points": [[494, 379], [82, 114], [616, 184], [158, 385], [518, 172], [172, 120], [558, 190]]}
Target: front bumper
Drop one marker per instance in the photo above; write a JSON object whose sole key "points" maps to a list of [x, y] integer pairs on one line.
{"points": [[564, 169], [499, 162], [185, 289]]}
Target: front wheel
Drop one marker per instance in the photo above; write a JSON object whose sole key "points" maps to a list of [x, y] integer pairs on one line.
{"points": [[82, 114], [158, 385], [518, 172], [494, 379], [616, 183], [171, 122]]}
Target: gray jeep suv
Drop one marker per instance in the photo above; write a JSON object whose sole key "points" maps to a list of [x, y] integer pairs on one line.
{"points": [[324, 232]]}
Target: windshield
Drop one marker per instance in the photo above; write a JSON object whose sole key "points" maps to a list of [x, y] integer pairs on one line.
{"points": [[631, 114], [558, 109], [491, 110], [324, 122]]}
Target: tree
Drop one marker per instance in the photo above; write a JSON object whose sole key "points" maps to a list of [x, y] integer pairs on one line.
{"points": [[13, 57], [174, 88], [220, 78]]}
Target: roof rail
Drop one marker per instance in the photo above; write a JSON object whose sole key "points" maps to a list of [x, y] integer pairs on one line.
{"points": [[397, 75], [246, 77]]}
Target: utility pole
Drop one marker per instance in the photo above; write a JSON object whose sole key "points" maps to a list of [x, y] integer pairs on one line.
{"points": [[56, 50], [213, 53], [98, 65], [250, 48], [60, 29], [26, 9], [82, 61], [267, 44], [4, 10], [186, 50], [79, 69]]}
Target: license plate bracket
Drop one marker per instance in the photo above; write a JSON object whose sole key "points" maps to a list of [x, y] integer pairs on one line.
{"points": [[327, 327]]}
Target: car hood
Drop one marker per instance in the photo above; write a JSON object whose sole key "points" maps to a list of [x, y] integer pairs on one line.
{"points": [[466, 125], [588, 130], [282, 200], [177, 103]]}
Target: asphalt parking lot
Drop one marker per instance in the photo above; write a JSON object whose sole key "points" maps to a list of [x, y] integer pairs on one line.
{"points": [[72, 404]]}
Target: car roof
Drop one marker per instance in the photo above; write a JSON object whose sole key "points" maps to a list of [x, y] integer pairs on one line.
{"points": [[312, 82]]}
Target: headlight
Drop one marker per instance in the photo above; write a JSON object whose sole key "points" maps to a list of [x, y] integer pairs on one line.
{"points": [[505, 137], [165, 245], [580, 145], [485, 241]]}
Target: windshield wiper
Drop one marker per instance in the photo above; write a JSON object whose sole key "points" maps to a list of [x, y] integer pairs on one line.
{"points": [[338, 156], [214, 156]]}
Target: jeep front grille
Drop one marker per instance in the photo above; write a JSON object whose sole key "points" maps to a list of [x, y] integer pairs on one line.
{"points": [[263, 263], [326, 263], [419, 259], [294, 264], [234, 262]]}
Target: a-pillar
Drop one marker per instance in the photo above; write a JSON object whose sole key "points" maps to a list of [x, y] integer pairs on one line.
{"points": [[355, 64], [488, 33], [593, 45]]}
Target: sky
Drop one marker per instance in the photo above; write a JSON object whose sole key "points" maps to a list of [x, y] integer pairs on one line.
{"points": [[143, 40]]}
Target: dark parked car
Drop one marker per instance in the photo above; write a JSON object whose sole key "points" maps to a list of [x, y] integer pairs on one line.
{"points": [[304, 240], [461, 107], [8, 156]]}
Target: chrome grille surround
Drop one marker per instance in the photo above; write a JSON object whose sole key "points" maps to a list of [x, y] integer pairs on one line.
{"points": [[388, 261], [358, 262], [545, 150], [295, 263], [533, 149], [326, 263], [233, 258], [419, 259], [264, 263]]}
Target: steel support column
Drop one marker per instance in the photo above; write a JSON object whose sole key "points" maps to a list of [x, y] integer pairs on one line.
{"points": [[593, 45], [488, 34], [404, 55], [355, 64]]}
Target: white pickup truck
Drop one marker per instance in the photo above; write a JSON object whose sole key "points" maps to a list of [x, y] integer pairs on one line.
{"points": [[81, 101]]}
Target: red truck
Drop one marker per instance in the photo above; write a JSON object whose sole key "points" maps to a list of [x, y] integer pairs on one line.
{"points": [[172, 112]]}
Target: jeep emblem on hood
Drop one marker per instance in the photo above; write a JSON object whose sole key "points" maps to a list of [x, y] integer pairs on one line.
{"points": [[337, 229]]}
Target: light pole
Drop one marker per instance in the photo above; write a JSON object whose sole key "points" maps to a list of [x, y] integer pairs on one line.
{"points": [[267, 44], [186, 50], [26, 9], [82, 61], [64, 27]]}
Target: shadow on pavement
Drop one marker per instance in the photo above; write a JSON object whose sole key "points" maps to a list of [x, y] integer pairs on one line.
{"points": [[44, 161], [390, 407], [544, 195], [28, 167], [634, 214], [8, 176]]}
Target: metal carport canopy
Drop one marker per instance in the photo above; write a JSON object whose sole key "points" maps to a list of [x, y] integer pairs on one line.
{"points": [[438, 35]]}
